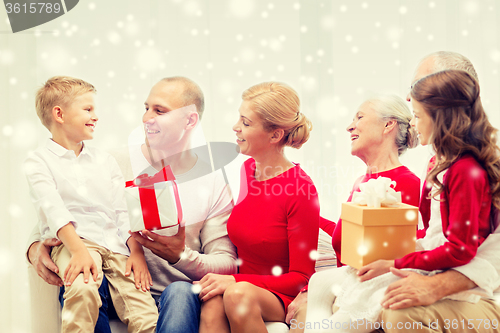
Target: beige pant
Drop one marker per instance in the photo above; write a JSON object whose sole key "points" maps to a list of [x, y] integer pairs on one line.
{"points": [[134, 307], [445, 316]]}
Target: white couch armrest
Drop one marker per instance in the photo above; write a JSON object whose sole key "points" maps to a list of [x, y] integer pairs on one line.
{"points": [[45, 307]]}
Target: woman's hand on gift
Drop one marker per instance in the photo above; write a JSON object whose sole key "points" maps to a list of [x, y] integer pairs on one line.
{"points": [[137, 263], [169, 248], [213, 285], [375, 269]]}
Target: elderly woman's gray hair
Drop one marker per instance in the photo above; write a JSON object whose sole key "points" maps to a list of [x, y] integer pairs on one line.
{"points": [[394, 107]]}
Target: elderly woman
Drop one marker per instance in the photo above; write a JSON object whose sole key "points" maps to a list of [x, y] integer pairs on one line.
{"points": [[274, 224], [380, 133]]}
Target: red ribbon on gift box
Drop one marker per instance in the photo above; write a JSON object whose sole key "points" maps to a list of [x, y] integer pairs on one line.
{"points": [[147, 197]]}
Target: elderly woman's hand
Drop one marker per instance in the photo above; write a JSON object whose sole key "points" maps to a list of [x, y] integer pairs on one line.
{"points": [[375, 269]]}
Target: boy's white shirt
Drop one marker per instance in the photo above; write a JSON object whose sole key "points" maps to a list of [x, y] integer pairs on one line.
{"points": [[86, 191]]}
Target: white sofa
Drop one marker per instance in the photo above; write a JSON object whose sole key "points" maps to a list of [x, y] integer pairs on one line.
{"points": [[46, 310]]}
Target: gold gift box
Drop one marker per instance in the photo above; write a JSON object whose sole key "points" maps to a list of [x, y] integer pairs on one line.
{"points": [[370, 234]]}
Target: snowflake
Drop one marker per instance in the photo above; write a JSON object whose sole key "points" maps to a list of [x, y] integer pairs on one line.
{"points": [[242, 310], [6, 57], [196, 288], [277, 270], [470, 7], [241, 8], [410, 215], [15, 210], [495, 55], [362, 250], [114, 37], [314, 255]]}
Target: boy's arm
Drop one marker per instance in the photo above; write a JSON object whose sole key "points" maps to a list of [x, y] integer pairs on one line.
{"points": [[80, 261], [137, 263], [49, 205]]}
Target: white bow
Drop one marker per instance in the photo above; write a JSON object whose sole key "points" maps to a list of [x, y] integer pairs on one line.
{"points": [[377, 192]]}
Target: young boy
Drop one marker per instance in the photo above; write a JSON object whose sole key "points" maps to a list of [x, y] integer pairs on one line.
{"points": [[78, 195]]}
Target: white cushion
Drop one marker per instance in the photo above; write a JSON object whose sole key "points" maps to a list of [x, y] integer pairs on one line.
{"points": [[272, 327], [46, 310]]}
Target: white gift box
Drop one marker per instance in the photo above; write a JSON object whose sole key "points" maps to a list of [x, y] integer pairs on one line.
{"points": [[153, 202]]}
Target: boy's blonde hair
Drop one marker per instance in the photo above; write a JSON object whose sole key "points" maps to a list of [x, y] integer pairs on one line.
{"points": [[58, 90]]}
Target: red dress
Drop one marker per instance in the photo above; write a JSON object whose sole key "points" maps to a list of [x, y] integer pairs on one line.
{"points": [[406, 182], [274, 227]]}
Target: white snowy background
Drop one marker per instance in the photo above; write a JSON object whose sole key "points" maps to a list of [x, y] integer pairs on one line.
{"points": [[334, 53]]}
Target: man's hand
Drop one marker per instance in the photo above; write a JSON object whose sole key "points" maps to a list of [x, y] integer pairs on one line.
{"points": [[39, 257], [412, 290], [213, 285], [296, 303], [169, 248]]}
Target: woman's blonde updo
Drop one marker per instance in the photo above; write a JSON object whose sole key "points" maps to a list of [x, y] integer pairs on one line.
{"points": [[394, 107], [278, 106]]}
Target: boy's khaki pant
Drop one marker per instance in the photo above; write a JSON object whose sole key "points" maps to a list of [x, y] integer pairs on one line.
{"points": [[134, 307]]}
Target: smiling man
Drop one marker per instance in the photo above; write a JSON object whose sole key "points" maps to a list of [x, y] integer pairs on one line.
{"points": [[200, 245]]}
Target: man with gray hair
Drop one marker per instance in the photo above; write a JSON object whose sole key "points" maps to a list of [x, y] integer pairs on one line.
{"points": [[415, 298]]}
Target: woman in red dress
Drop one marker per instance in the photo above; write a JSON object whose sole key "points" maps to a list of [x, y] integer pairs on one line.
{"points": [[275, 222]]}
